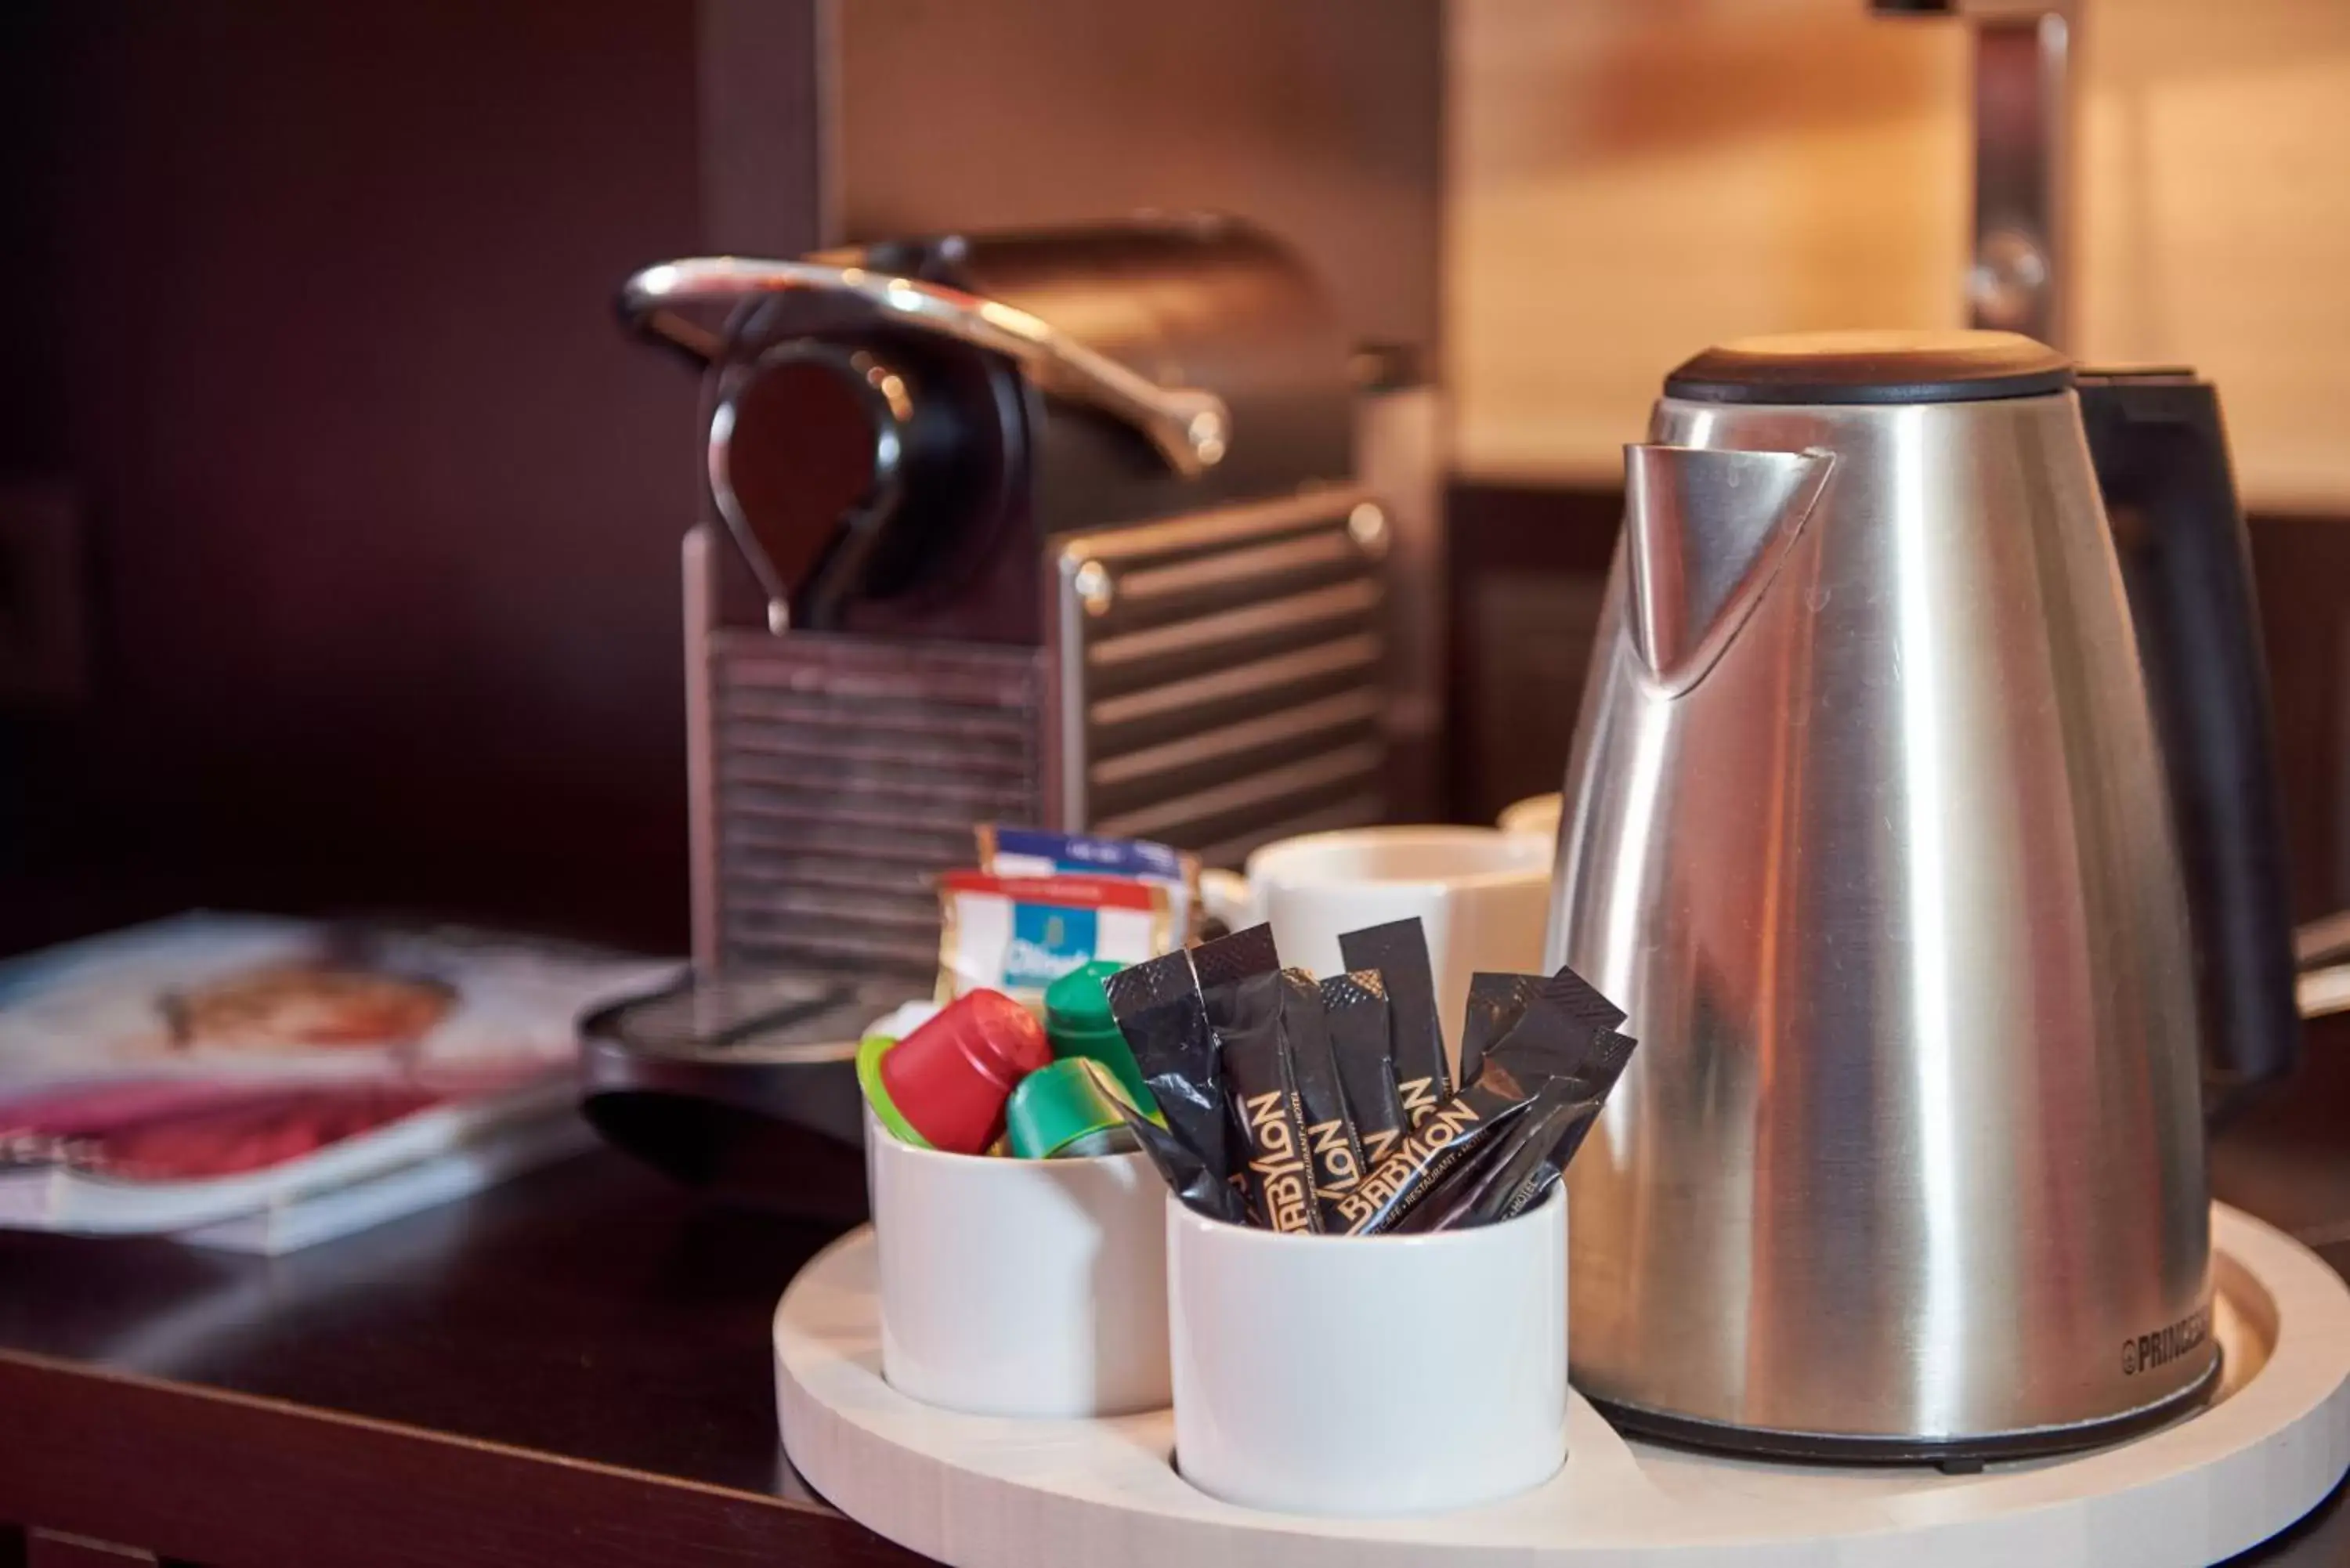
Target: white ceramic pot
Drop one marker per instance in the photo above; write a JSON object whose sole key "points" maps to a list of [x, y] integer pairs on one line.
{"points": [[1020, 1287], [1481, 896], [1369, 1375]]}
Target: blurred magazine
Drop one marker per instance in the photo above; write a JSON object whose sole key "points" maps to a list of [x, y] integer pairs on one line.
{"points": [[263, 1084]]}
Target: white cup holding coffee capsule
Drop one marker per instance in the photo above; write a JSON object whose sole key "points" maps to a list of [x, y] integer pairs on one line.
{"points": [[1020, 1287], [893, 1026], [1482, 897], [1365, 1376]]}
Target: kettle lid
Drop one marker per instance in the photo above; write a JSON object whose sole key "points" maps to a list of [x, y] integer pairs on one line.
{"points": [[1872, 368]]}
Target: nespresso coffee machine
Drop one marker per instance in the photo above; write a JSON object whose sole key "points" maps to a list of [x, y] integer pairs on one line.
{"points": [[1057, 527], [1048, 527]]}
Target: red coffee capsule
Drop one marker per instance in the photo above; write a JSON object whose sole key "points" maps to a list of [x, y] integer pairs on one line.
{"points": [[948, 1080]]}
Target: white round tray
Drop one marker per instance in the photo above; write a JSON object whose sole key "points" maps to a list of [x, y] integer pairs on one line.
{"points": [[988, 1492]]}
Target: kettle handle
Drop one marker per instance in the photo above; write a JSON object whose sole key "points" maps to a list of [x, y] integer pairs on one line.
{"points": [[2161, 458]]}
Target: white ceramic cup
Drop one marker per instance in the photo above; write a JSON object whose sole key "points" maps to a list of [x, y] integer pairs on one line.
{"points": [[1536, 817], [1482, 897], [1369, 1375], [1020, 1287], [895, 1024]]}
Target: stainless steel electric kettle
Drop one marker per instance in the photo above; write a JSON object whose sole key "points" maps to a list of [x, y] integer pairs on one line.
{"points": [[1922, 816]]}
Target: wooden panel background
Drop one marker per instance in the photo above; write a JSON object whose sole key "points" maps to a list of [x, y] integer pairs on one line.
{"points": [[1318, 118], [1632, 179]]}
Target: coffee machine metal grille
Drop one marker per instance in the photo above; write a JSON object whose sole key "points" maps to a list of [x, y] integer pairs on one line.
{"points": [[1212, 681], [1218, 677], [834, 777]]}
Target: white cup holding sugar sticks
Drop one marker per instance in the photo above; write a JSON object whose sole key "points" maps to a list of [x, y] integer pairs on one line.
{"points": [[1362, 1376]]}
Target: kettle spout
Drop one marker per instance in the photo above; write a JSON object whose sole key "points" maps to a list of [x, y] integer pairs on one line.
{"points": [[1705, 529]]}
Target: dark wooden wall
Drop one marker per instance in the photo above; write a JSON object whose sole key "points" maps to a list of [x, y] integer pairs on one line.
{"points": [[310, 304], [2303, 567], [309, 307], [1321, 119]]}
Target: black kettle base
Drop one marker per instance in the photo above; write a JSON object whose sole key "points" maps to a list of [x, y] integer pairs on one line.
{"points": [[1958, 1455]]}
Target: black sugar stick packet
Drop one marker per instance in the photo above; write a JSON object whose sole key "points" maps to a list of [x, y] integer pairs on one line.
{"points": [[1579, 997], [1552, 1041], [1334, 1153], [1496, 1003], [1244, 953], [1529, 1159], [1355, 1013], [1161, 1012], [1485, 1179], [1262, 1093], [1518, 1172], [1399, 950]]}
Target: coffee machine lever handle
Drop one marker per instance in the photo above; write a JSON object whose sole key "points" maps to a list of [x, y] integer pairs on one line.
{"points": [[1190, 429], [2161, 459]]}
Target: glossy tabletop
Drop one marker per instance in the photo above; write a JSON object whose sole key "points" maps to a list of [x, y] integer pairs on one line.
{"points": [[572, 1369]]}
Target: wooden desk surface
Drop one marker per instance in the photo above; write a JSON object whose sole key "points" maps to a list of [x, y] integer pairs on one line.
{"points": [[572, 1369]]}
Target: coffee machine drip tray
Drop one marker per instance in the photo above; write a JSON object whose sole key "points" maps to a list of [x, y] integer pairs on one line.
{"points": [[984, 1492]]}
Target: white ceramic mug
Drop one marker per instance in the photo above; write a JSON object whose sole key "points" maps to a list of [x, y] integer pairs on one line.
{"points": [[1369, 1375], [1481, 895], [1020, 1287], [1536, 817]]}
